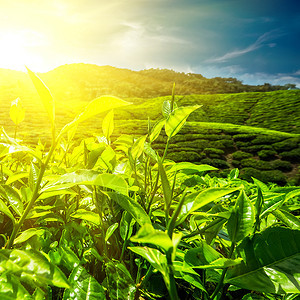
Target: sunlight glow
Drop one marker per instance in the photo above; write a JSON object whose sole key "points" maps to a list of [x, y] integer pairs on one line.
{"points": [[17, 49]]}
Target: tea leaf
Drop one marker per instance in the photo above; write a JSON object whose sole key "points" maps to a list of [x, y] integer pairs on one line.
{"points": [[44, 94], [132, 207], [148, 235], [177, 119], [156, 130], [95, 107], [27, 234], [87, 216], [112, 181], [108, 124], [154, 257], [110, 230], [271, 262], [11, 288], [33, 267], [4, 209], [240, 224], [83, 286], [17, 112], [13, 198]]}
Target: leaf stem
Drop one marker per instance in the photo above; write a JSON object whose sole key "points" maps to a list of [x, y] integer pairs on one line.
{"points": [[34, 197]]}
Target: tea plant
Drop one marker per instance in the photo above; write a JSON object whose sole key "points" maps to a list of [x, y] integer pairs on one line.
{"points": [[117, 220]]}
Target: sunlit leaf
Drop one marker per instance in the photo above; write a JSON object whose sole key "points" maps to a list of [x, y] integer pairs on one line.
{"points": [[13, 198], [112, 181], [138, 147], [177, 119], [44, 94], [11, 288], [203, 198], [156, 130], [87, 216], [110, 230], [17, 112], [95, 107], [181, 166], [33, 266], [108, 124], [27, 234], [4, 209], [153, 256], [148, 235], [126, 225]]}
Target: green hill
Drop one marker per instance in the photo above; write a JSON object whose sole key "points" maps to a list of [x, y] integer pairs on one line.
{"points": [[229, 130]]}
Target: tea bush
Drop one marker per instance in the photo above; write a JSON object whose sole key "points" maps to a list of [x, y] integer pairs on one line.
{"points": [[107, 219]]}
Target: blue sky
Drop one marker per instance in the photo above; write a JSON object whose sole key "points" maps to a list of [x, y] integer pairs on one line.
{"points": [[255, 41]]}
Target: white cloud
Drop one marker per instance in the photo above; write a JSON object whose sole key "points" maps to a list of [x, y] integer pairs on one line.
{"points": [[257, 44]]}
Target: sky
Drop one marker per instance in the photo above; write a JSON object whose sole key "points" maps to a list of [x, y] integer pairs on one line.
{"points": [[256, 41]]}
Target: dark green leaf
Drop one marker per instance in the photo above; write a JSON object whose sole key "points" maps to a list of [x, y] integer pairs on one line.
{"points": [[120, 283], [271, 262], [83, 286], [241, 221], [132, 207]]}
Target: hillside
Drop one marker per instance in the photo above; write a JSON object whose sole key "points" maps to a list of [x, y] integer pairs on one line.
{"points": [[279, 110], [229, 130]]}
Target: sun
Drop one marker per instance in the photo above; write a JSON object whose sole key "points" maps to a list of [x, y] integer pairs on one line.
{"points": [[19, 48]]}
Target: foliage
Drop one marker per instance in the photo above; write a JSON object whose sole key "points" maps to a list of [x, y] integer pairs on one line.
{"points": [[111, 220]]}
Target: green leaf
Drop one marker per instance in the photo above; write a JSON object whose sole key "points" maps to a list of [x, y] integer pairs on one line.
{"points": [[27, 234], [44, 94], [13, 198], [156, 130], [132, 207], [177, 119], [33, 176], [110, 230], [11, 288], [17, 112], [271, 262], [108, 125], [33, 266], [166, 108], [87, 216], [203, 198], [95, 107], [287, 218], [165, 184], [126, 225], [138, 147], [112, 181], [83, 286], [182, 166], [148, 235], [240, 224], [4, 209], [153, 256], [119, 281], [206, 257]]}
